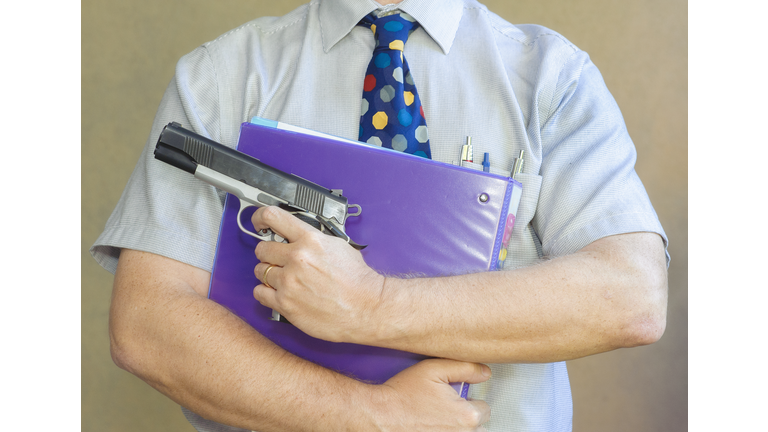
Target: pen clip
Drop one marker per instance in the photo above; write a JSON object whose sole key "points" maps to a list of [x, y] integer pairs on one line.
{"points": [[518, 166], [466, 151]]}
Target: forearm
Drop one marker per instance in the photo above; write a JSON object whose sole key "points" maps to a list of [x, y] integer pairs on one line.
{"points": [[208, 360], [609, 295]]}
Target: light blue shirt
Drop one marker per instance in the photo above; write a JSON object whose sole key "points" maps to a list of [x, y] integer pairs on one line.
{"points": [[509, 87]]}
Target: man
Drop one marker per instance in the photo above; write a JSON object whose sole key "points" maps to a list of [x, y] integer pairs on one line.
{"points": [[587, 271]]}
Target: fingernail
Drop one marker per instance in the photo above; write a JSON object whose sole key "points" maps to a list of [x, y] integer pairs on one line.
{"points": [[486, 370]]}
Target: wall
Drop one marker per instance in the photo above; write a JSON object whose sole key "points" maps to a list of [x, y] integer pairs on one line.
{"points": [[129, 50]]}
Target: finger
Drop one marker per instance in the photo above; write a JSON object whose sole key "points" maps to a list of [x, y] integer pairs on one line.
{"points": [[265, 296], [273, 278], [451, 371], [273, 252], [483, 408], [279, 221]]}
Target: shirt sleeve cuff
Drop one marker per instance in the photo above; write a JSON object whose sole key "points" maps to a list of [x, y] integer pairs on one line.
{"points": [[106, 249], [623, 223]]}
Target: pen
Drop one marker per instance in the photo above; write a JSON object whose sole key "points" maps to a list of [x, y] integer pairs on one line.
{"points": [[518, 165], [486, 162], [466, 151], [514, 203]]}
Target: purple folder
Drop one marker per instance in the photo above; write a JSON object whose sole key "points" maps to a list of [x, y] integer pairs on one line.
{"points": [[419, 217]]}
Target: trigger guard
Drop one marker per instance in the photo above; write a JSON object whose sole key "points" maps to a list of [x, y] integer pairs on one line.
{"points": [[268, 236], [265, 237]]}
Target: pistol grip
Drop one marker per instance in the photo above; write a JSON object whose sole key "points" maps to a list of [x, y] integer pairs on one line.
{"points": [[268, 236]]}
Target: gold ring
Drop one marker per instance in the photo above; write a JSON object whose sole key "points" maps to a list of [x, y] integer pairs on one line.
{"points": [[264, 281]]}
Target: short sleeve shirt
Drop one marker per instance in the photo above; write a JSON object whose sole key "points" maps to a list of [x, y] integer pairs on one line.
{"points": [[509, 87]]}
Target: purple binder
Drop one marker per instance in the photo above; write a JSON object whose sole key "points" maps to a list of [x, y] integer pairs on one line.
{"points": [[418, 217]]}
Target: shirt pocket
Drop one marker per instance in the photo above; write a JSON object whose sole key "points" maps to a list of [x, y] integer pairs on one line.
{"points": [[530, 199], [525, 246]]}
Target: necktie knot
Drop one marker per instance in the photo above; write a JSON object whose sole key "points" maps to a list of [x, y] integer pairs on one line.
{"points": [[390, 31]]}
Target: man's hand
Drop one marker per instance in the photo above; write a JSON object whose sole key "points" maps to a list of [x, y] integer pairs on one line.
{"points": [[320, 283], [423, 392]]}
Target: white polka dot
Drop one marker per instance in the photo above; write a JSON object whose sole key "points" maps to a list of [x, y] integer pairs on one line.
{"points": [[421, 134], [399, 142], [387, 93], [397, 74], [374, 141]]}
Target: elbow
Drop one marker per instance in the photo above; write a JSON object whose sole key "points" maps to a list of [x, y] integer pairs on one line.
{"points": [[645, 331], [131, 353], [646, 321], [636, 270], [123, 347], [119, 351]]}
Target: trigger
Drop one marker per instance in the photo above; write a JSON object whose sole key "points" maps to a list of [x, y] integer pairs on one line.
{"points": [[261, 235]]}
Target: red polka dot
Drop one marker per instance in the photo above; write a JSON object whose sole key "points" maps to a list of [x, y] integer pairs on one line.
{"points": [[421, 108], [370, 83]]}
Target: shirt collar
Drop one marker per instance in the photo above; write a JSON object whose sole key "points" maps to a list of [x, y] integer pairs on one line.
{"points": [[439, 18]]}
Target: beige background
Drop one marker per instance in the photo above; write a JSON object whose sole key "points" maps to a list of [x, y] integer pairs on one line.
{"points": [[129, 50]]}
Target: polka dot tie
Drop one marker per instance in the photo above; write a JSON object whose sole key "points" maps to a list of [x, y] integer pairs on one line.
{"points": [[391, 114]]}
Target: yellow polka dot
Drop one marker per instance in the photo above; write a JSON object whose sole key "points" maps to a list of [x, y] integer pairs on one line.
{"points": [[396, 45], [503, 255], [408, 96], [380, 120], [401, 57], [373, 28]]}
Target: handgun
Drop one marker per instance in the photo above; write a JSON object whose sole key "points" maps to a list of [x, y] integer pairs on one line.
{"points": [[255, 183]]}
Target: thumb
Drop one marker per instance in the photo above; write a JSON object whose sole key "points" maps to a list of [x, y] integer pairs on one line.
{"points": [[453, 371]]}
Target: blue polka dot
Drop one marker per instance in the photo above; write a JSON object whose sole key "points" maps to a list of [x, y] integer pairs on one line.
{"points": [[393, 26], [421, 153], [404, 117], [382, 60]]}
